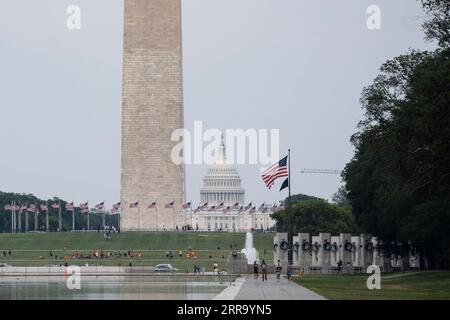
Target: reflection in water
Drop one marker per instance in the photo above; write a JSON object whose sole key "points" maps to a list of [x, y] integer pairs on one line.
{"points": [[110, 288]]}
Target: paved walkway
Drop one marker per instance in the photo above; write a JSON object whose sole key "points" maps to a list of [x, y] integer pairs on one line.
{"points": [[272, 290], [250, 289]]}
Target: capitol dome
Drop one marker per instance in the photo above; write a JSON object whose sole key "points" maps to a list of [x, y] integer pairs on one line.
{"points": [[222, 183]]}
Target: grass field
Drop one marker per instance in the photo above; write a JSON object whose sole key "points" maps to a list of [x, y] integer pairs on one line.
{"points": [[33, 249], [394, 286]]}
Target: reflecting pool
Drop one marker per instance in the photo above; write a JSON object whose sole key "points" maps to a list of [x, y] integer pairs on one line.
{"points": [[148, 287]]}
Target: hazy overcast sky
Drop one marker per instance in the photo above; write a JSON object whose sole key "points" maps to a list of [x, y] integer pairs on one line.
{"points": [[295, 65]]}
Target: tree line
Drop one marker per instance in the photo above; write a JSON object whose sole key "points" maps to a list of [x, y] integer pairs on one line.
{"points": [[397, 185]]}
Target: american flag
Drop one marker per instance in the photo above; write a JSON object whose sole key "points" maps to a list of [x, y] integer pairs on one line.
{"points": [[248, 207], [169, 205], [197, 210], [32, 208], [226, 210], [241, 209], [264, 210], [116, 207], [44, 207], [262, 206], [235, 206], [212, 208], [84, 205], [277, 170], [252, 210], [55, 205], [220, 206], [100, 206], [279, 208], [134, 205], [187, 205], [84, 210], [152, 205], [70, 207], [204, 206]]}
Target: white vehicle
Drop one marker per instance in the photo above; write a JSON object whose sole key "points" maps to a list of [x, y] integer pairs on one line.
{"points": [[164, 267]]}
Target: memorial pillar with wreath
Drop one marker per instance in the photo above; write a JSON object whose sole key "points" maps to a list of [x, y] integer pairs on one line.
{"points": [[325, 252], [280, 248], [304, 251], [345, 251], [367, 250]]}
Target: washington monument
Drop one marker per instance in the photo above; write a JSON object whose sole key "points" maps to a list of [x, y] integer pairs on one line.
{"points": [[152, 108]]}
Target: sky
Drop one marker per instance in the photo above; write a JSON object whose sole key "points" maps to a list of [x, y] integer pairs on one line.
{"points": [[294, 65]]}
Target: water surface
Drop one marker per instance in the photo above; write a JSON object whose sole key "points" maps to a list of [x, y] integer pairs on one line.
{"points": [[111, 288]]}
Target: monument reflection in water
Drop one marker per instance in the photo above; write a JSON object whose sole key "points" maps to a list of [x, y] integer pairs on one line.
{"points": [[111, 288]]}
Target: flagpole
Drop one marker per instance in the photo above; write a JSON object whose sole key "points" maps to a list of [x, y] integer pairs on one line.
{"points": [[88, 218], [118, 217], [20, 218], [290, 235], [27, 219], [139, 220], [156, 211], [36, 219], [12, 216], [59, 217], [46, 219], [73, 218]]}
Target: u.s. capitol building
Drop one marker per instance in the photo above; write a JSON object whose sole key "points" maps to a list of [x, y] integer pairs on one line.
{"points": [[222, 202]]}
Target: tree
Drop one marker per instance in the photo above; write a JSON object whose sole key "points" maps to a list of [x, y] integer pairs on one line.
{"points": [[315, 216], [399, 179], [438, 24], [340, 197]]}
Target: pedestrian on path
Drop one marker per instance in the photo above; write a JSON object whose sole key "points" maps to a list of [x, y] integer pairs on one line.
{"points": [[278, 270], [290, 271], [264, 270], [255, 270]]}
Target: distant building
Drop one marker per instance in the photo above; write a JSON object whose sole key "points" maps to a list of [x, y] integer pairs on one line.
{"points": [[226, 209]]}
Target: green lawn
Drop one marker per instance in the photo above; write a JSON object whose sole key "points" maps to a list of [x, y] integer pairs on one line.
{"points": [[403, 286], [30, 249]]}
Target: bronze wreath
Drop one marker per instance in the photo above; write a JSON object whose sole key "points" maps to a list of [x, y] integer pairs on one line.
{"points": [[306, 246], [284, 245]]}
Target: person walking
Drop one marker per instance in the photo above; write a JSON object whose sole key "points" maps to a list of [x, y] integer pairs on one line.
{"points": [[290, 271], [278, 270], [264, 270], [255, 270]]}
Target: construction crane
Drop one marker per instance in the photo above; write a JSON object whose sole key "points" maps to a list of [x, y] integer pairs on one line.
{"points": [[321, 171]]}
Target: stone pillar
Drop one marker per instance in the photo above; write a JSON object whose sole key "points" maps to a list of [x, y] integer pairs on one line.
{"points": [[334, 252], [325, 252], [295, 251], [279, 253], [356, 252], [304, 251], [345, 251], [367, 251], [315, 252]]}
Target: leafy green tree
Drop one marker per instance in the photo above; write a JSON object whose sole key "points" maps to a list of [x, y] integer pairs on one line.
{"points": [[399, 178], [315, 216], [437, 25]]}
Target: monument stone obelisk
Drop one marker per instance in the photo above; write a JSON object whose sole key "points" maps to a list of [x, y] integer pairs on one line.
{"points": [[152, 109]]}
